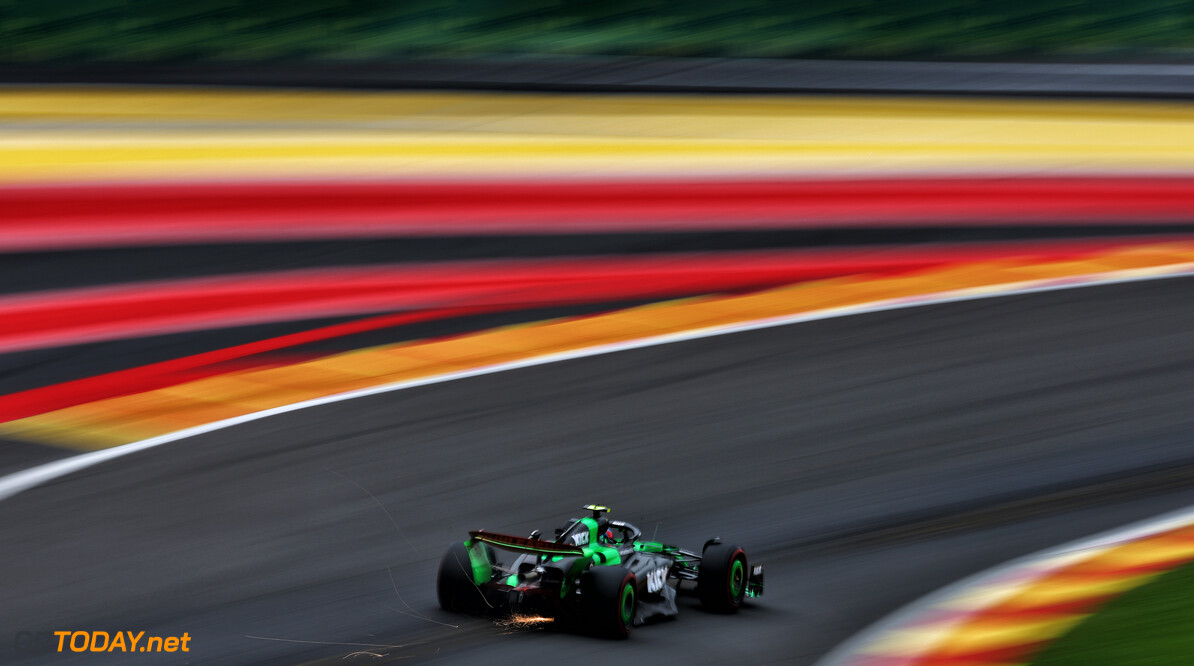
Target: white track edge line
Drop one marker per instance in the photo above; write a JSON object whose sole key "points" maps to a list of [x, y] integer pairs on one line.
{"points": [[17, 482]]}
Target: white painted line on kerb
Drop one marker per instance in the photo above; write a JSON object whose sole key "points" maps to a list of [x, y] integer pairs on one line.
{"points": [[24, 480]]}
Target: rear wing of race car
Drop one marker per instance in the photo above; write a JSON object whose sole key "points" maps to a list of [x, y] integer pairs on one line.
{"points": [[525, 544]]}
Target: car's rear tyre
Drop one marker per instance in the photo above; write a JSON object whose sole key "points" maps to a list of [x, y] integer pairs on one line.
{"points": [[722, 580], [454, 584], [609, 600]]}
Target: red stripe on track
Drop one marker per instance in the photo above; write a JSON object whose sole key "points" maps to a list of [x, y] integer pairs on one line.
{"points": [[52, 319], [198, 366], [60, 216], [439, 291]]}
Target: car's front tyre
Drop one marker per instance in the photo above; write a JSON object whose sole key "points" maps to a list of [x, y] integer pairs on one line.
{"points": [[723, 577]]}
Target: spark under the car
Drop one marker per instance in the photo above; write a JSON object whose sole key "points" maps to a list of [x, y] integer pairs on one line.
{"points": [[525, 621]]}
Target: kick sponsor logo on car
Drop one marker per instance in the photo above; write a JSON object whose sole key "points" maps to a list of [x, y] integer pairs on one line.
{"points": [[656, 579]]}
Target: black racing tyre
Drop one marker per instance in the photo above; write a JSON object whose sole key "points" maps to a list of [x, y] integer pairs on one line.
{"points": [[454, 584], [722, 579], [609, 599]]}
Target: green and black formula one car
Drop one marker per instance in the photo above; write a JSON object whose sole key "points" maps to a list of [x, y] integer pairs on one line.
{"points": [[596, 575]]}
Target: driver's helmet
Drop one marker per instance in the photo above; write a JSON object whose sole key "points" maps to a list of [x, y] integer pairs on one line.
{"points": [[605, 533]]}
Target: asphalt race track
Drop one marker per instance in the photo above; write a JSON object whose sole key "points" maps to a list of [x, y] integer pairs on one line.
{"points": [[867, 460]]}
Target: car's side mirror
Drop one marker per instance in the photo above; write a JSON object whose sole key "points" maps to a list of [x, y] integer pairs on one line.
{"points": [[536, 533]]}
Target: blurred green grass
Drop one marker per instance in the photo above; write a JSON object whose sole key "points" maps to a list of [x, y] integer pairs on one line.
{"points": [[1148, 626], [92, 31]]}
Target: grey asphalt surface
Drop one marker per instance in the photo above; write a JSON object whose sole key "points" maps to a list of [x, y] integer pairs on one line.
{"points": [[867, 460]]}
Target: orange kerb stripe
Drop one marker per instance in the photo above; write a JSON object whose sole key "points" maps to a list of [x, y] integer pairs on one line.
{"points": [[120, 420]]}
